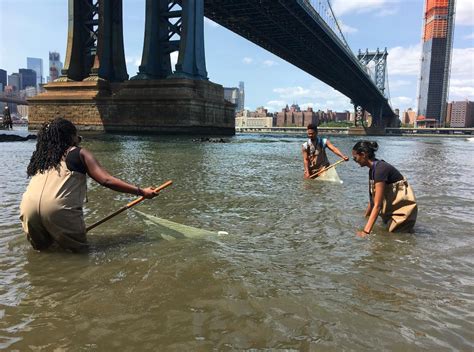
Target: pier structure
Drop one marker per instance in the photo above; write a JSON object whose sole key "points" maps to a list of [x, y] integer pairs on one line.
{"points": [[94, 90]]}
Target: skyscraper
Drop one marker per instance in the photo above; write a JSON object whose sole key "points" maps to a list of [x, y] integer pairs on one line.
{"points": [[28, 78], [436, 60], [36, 65], [55, 66], [3, 79], [14, 80], [241, 101]]}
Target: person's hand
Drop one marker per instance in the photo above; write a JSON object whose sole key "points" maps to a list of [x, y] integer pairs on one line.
{"points": [[149, 192], [346, 158], [306, 174], [362, 234]]}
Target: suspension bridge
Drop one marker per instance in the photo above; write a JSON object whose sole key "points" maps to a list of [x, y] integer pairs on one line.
{"points": [[95, 89]]}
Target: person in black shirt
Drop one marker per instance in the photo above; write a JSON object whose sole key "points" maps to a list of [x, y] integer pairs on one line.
{"points": [[390, 195]]}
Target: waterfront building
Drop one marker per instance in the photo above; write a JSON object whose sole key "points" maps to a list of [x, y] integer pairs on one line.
{"points": [[409, 117], [232, 96], [436, 60], [28, 78], [241, 101], [36, 65], [344, 116], [3, 79], [462, 114], [30, 91], [293, 117], [423, 122], [236, 96], [14, 80], [259, 118], [55, 66]]}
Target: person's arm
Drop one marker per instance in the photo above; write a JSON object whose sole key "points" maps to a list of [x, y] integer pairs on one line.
{"points": [[374, 212], [368, 210], [335, 150], [305, 163], [99, 174]]}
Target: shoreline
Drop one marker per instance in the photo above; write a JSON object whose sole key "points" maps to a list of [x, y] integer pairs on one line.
{"points": [[389, 132]]}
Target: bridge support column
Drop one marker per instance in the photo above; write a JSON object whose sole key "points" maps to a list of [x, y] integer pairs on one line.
{"points": [[95, 42], [94, 92], [157, 44], [191, 59]]}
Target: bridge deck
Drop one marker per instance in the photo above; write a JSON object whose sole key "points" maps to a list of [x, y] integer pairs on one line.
{"points": [[292, 30]]}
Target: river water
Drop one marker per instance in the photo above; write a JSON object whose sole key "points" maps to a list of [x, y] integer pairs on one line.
{"points": [[290, 275]]}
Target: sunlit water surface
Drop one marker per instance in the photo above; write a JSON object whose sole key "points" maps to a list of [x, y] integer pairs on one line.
{"points": [[290, 274]]}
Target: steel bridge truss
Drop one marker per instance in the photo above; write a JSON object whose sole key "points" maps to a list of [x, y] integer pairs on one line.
{"points": [[95, 49], [380, 59]]}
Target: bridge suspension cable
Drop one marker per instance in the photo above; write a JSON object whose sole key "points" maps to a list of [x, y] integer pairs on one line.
{"points": [[325, 11]]}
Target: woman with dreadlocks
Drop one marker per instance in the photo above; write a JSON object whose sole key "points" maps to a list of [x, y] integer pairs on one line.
{"points": [[51, 208]]}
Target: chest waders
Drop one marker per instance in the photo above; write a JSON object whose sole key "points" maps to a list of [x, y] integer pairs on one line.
{"points": [[51, 209], [399, 208], [317, 157]]}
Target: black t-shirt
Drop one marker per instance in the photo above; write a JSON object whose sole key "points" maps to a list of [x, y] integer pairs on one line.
{"points": [[384, 172], [74, 162]]}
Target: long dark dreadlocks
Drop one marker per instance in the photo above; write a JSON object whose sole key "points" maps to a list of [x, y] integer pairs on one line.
{"points": [[54, 138]]}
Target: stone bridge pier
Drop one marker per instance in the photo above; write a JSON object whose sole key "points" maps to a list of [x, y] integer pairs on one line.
{"points": [[94, 90]]}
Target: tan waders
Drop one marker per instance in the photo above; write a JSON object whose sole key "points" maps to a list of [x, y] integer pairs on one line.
{"points": [[399, 209], [51, 209]]}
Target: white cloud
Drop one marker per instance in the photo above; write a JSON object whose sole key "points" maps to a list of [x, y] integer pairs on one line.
{"points": [[405, 101], [292, 92], [461, 66], [404, 61], [397, 83], [136, 60], [269, 63], [461, 93], [346, 29], [342, 7], [247, 60], [319, 96], [305, 106], [469, 36], [461, 84], [275, 105], [211, 22], [465, 12], [386, 12]]}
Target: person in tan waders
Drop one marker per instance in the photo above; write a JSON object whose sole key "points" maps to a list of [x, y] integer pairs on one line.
{"points": [[391, 196], [51, 208], [314, 152]]}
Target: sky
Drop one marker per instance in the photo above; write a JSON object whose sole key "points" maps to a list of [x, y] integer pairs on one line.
{"points": [[32, 28]]}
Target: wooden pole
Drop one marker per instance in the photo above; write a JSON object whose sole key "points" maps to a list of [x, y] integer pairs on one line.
{"points": [[129, 205], [316, 174]]}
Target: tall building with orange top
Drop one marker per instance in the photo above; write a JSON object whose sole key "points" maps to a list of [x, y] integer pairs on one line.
{"points": [[436, 60]]}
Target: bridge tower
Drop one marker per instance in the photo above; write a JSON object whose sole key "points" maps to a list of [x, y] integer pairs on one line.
{"points": [[94, 91], [379, 59]]}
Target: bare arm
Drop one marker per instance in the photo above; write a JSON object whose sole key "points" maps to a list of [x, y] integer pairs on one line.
{"points": [[374, 212], [335, 150], [305, 162], [368, 210], [102, 176]]}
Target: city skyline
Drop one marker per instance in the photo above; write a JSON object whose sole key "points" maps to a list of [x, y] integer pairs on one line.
{"points": [[269, 80]]}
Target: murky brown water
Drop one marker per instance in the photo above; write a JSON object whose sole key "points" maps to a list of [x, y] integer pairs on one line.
{"points": [[290, 275]]}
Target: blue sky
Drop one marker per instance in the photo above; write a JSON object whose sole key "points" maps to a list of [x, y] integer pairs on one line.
{"points": [[33, 28]]}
